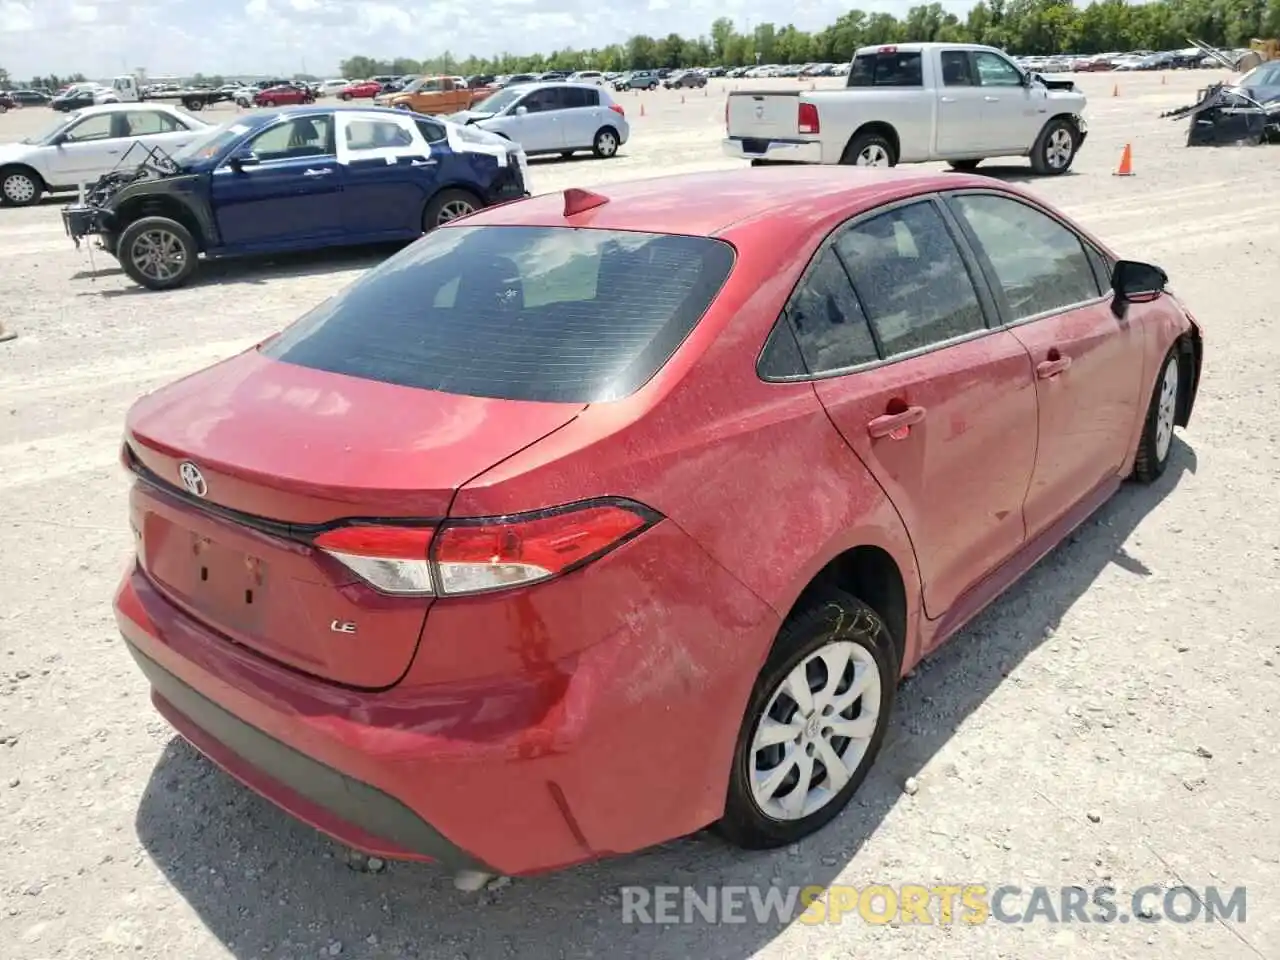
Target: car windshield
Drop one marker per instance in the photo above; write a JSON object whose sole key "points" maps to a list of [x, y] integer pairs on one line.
{"points": [[53, 128], [547, 314], [499, 101], [211, 143]]}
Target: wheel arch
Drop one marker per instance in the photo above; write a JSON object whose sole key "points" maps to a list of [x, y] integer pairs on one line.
{"points": [[21, 167], [878, 128], [161, 206]]}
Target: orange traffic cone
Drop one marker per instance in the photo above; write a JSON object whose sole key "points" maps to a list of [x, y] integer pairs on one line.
{"points": [[6, 334], [1115, 91], [1126, 162]]}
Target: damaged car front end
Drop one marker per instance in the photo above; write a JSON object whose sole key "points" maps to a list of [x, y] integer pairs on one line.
{"points": [[95, 212], [1231, 116]]}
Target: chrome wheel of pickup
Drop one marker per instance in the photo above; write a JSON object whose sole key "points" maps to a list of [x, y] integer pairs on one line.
{"points": [[873, 155]]}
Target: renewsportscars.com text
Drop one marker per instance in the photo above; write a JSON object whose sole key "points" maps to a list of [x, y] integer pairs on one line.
{"points": [[936, 904]]}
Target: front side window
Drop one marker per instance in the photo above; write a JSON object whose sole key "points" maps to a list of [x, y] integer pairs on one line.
{"points": [[911, 279], [1041, 266], [297, 138], [995, 71], [97, 127], [957, 69], [542, 101], [548, 314]]}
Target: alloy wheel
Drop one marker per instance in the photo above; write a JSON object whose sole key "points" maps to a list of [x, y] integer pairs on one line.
{"points": [[158, 254], [873, 155], [815, 731], [1058, 148], [1166, 409], [453, 210]]}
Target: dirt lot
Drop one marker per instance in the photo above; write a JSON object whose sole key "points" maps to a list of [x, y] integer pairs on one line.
{"points": [[1111, 721]]}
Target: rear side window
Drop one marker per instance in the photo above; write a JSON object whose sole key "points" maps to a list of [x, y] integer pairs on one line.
{"points": [[550, 314], [829, 325], [911, 279], [886, 70], [573, 97], [957, 69]]}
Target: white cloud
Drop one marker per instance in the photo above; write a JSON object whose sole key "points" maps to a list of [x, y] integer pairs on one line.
{"points": [[101, 37]]}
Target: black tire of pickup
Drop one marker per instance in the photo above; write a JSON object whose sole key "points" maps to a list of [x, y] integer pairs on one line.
{"points": [[871, 144], [964, 166], [1047, 158], [194, 104]]}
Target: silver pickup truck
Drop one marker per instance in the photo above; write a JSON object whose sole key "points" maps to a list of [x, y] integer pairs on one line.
{"points": [[912, 103]]}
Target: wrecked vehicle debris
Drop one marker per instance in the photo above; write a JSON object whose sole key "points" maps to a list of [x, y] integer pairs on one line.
{"points": [[1229, 115]]}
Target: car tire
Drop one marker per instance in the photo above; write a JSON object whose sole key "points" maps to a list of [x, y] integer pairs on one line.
{"points": [[869, 150], [167, 240], [1055, 148], [1156, 441], [606, 143], [832, 627], [449, 205], [268, 103], [964, 166], [3, 109], [195, 106], [344, 96], [20, 187]]}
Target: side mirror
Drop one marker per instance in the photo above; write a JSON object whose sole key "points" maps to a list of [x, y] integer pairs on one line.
{"points": [[241, 159], [521, 111], [1135, 282]]}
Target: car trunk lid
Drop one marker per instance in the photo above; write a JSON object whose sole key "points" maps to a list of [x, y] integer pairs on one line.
{"points": [[759, 115], [243, 463]]}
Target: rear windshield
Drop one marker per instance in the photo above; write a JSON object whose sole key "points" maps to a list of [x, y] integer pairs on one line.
{"points": [[551, 314], [886, 70]]}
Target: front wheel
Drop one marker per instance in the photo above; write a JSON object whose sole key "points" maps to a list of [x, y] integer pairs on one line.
{"points": [[1157, 432], [1055, 148], [605, 144], [814, 723], [268, 103], [344, 96], [449, 205], [157, 253], [20, 187]]}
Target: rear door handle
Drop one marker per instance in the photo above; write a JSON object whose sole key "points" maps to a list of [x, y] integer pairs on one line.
{"points": [[317, 173], [422, 163], [948, 99], [1046, 369], [896, 426], [991, 99]]}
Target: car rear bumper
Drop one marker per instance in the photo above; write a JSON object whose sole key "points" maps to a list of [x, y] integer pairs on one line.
{"points": [[580, 750], [773, 151]]}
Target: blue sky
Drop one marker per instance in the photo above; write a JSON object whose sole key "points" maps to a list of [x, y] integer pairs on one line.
{"points": [[103, 37]]}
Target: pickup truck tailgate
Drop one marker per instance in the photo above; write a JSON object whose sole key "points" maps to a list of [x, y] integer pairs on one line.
{"points": [[763, 115]]}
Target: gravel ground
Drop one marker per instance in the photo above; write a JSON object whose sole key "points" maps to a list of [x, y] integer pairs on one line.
{"points": [[1110, 721]]}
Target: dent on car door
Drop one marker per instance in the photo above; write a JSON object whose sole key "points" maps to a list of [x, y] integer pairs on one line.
{"points": [[939, 408], [1088, 361]]}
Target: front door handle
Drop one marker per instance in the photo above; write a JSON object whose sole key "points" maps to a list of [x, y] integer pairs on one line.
{"points": [[422, 163], [991, 99], [1047, 369], [896, 426], [947, 99], [317, 173]]}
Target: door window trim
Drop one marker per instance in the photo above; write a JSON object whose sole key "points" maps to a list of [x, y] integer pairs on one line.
{"points": [[980, 280], [1004, 311]]}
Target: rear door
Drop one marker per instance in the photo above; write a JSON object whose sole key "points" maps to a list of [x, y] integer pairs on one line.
{"points": [[290, 196], [959, 123], [1088, 362], [158, 128], [940, 408], [580, 115], [388, 173]]}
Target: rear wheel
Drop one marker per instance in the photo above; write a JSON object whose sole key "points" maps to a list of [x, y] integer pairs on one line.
{"points": [[964, 165], [814, 723], [344, 96], [268, 103], [449, 205], [1157, 433], [869, 150], [605, 144], [157, 253], [194, 105], [20, 187]]}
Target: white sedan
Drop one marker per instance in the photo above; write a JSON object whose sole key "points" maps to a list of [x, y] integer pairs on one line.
{"points": [[553, 117], [86, 144]]}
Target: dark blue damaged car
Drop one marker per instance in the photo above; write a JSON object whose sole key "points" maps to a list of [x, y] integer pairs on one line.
{"points": [[302, 178]]}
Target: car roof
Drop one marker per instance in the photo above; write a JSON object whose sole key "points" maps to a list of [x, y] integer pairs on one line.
{"points": [[710, 204], [543, 84], [119, 107]]}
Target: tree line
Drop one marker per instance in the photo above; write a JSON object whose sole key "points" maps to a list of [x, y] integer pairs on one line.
{"points": [[1022, 27]]}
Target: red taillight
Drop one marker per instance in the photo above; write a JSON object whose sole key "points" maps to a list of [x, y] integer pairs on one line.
{"points": [[391, 559], [617, 108], [477, 556], [888, 50], [808, 118]]}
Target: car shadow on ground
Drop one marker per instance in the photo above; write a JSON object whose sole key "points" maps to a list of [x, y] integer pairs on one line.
{"points": [[246, 270], [1012, 173], [264, 884]]}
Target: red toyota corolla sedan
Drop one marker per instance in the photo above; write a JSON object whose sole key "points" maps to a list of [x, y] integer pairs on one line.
{"points": [[585, 522]]}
